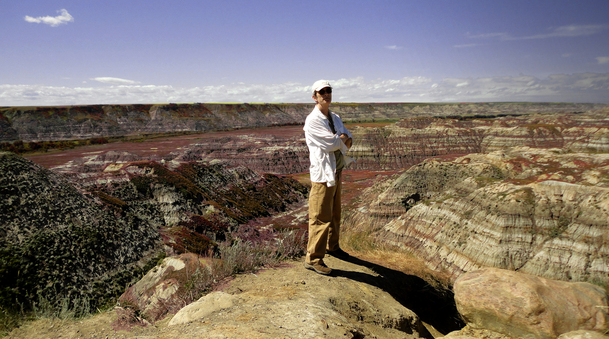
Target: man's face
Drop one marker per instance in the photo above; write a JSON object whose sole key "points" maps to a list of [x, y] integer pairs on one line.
{"points": [[323, 96]]}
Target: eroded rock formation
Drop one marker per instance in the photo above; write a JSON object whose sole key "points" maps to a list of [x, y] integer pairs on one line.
{"points": [[412, 140], [525, 193], [83, 236], [537, 211], [392, 147], [59, 244], [83, 122]]}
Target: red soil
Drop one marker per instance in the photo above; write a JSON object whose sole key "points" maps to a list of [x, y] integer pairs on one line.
{"points": [[156, 146]]}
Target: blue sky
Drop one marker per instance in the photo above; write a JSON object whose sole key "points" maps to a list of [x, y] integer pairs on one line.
{"points": [[64, 52]]}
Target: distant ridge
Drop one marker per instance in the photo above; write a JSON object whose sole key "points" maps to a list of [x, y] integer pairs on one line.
{"points": [[54, 123]]}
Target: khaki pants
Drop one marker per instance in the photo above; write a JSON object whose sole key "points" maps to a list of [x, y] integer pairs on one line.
{"points": [[324, 219]]}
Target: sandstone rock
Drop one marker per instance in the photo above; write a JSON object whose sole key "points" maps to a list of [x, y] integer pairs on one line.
{"points": [[582, 334], [201, 308], [292, 302], [164, 289], [526, 306], [492, 210], [474, 333], [469, 332]]}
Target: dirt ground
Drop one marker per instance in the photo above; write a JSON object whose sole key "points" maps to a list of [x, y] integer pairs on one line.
{"points": [[355, 301]]}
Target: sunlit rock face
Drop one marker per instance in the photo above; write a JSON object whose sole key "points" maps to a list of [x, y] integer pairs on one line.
{"points": [[537, 211], [526, 306], [83, 122], [414, 139]]}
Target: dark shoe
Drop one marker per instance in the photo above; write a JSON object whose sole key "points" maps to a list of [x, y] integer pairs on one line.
{"points": [[319, 267], [339, 253]]}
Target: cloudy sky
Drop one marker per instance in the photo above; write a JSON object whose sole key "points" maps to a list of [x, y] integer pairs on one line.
{"points": [[64, 52]]}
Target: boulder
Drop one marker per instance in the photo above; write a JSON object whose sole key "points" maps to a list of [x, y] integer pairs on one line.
{"points": [[527, 306], [203, 307]]}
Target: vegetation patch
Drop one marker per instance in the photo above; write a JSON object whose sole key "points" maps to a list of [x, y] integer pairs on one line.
{"points": [[20, 147], [184, 240], [110, 200], [559, 227]]}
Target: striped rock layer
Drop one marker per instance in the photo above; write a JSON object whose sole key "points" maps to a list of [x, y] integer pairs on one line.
{"points": [[530, 210]]}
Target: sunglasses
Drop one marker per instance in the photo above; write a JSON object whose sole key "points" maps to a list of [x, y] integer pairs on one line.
{"points": [[325, 90]]}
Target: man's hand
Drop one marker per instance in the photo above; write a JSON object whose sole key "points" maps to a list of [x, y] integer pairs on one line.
{"points": [[346, 139]]}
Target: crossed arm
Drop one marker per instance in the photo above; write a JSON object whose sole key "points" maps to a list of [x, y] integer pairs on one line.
{"points": [[347, 140]]}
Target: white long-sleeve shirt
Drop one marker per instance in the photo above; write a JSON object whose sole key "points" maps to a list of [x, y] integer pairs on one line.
{"points": [[322, 143]]}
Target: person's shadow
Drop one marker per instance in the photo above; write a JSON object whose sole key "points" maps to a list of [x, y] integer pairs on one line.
{"points": [[433, 306]]}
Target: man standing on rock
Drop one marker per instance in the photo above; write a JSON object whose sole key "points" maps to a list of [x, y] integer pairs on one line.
{"points": [[328, 141]]}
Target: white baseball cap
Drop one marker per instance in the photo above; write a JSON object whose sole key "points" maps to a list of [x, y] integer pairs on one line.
{"points": [[319, 84]]}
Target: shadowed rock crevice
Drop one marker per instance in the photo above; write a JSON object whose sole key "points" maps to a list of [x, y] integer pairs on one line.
{"points": [[434, 306]]}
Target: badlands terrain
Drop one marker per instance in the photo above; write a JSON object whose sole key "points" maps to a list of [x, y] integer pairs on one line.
{"points": [[439, 194]]}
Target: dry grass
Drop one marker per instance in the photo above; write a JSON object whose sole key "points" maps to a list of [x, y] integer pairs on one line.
{"points": [[366, 247]]}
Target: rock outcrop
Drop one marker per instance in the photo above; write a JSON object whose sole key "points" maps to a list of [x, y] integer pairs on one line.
{"points": [[537, 211], [281, 302], [294, 302], [202, 308], [526, 306], [165, 288]]}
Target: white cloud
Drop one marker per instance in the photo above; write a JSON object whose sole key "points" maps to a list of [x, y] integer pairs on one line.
{"points": [[581, 87], [562, 31], [393, 47], [602, 60], [114, 81], [488, 36], [466, 45], [576, 30], [63, 18]]}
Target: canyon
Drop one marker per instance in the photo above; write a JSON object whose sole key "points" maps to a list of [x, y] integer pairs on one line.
{"points": [[516, 186]]}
